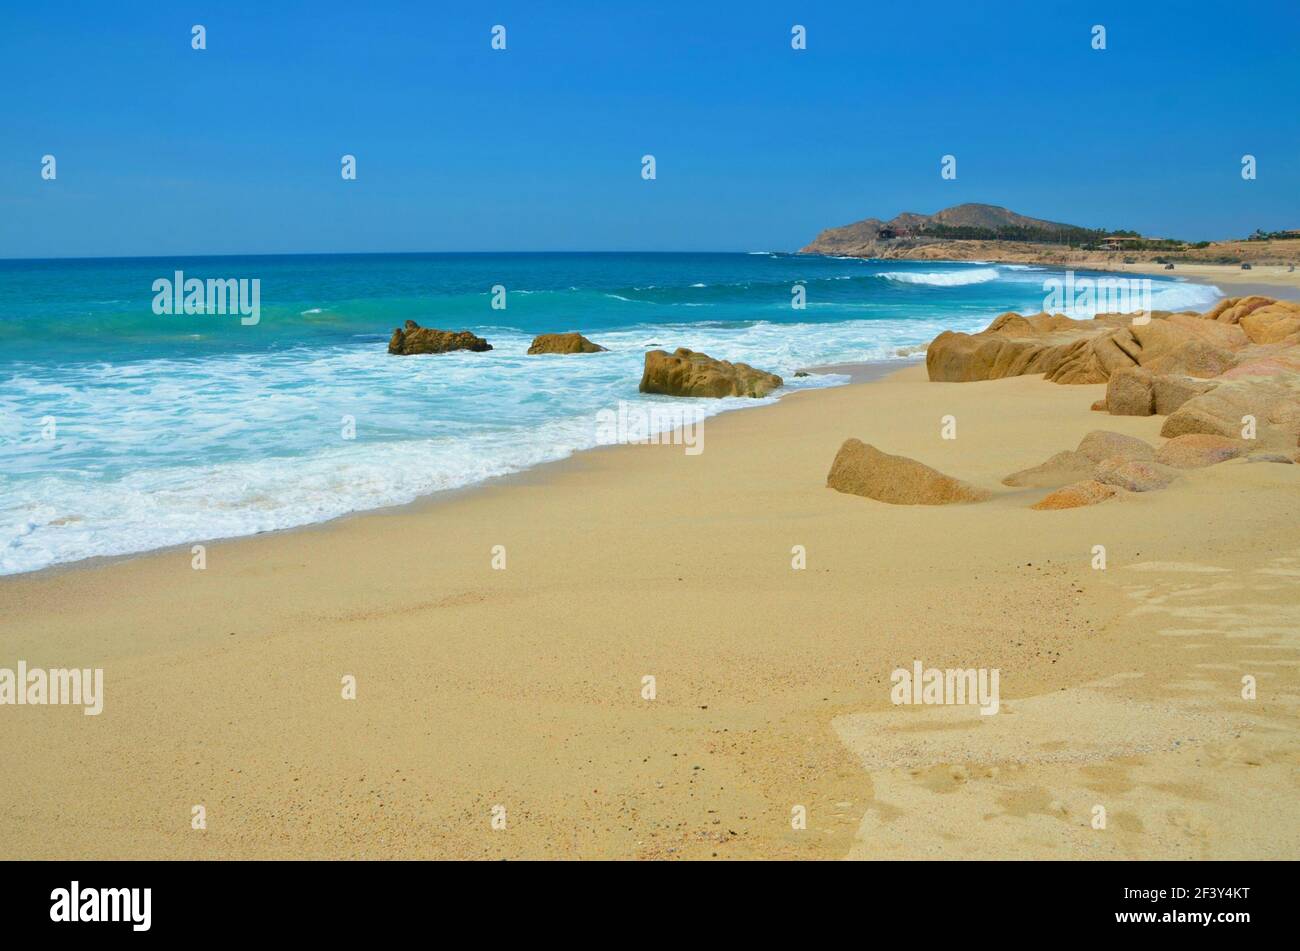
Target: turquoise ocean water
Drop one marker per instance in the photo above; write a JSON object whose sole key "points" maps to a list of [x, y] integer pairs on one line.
{"points": [[122, 430]]}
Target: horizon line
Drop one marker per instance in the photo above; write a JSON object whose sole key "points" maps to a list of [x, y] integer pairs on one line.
{"points": [[307, 254]]}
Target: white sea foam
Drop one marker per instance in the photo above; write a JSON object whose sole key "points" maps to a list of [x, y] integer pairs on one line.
{"points": [[979, 275], [1165, 295], [159, 453]]}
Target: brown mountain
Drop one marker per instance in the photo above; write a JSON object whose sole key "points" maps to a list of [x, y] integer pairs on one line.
{"points": [[970, 222]]}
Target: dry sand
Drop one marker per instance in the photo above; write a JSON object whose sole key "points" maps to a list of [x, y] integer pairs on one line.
{"points": [[1270, 280], [523, 687]]}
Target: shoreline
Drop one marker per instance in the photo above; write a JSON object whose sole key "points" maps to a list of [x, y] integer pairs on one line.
{"points": [[1233, 281], [1226, 277], [523, 686], [858, 372]]}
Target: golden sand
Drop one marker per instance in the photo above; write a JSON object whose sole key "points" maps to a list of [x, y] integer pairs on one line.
{"points": [[522, 687]]}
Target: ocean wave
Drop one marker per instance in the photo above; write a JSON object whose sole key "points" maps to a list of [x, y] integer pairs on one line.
{"points": [[1165, 295], [1185, 297], [943, 278], [168, 452]]}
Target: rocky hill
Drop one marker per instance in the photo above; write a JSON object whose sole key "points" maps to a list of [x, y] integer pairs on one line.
{"points": [[969, 222], [992, 233]]}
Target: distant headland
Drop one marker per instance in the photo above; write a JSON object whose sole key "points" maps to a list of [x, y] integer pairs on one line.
{"points": [[991, 233]]}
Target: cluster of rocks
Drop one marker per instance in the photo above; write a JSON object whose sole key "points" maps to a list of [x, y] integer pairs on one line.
{"points": [[413, 339], [1219, 373], [1106, 464], [681, 373], [1103, 466]]}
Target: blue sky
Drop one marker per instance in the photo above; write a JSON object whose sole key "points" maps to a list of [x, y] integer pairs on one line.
{"points": [[165, 150]]}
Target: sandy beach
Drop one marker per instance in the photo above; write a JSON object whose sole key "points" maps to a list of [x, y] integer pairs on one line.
{"points": [[478, 687], [1270, 280]]}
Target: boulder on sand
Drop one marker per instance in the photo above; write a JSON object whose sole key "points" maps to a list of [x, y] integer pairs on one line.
{"points": [[1172, 391], [1101, 444], [1090, 351], [1013, 344], [1135, 476], [1137, 391], [1076, 495], [1198, 450], [861, 469], [1129, 392], [564, 343], [1062, 469], [687, 373], [1223, 411], [1272, 323], [416, 339]]}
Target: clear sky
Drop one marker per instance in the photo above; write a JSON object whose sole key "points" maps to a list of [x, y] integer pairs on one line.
{"points": [[162, 149]]}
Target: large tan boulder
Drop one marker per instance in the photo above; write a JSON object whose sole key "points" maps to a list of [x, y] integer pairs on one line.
{"points": [[1014, 345], [1197, 450], [1090, 351], [1272, 323], [1224, 411], [1101, 444], [1130, 391], [1192, 358], [563, 343], [1172, 391], [416, 339], [1233, 309], [1062, 469], [1223, 336], [1077, 495], [687, 373], [861, 469], [1136, 391]]}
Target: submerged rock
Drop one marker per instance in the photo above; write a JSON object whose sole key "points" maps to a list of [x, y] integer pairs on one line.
{"points": [[862, 469], [416, 339], [687, 373], [564, 343]]}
